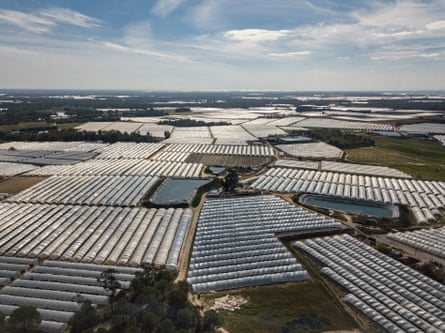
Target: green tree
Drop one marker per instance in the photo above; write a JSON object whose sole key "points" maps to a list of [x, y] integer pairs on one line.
{"points": [[109, 282], [185, 319], [85, 318], [167, 326], [149, 321], [211, 320], [230, 181], [385, 249], [24, 319], [2, 322], [431, 270]]}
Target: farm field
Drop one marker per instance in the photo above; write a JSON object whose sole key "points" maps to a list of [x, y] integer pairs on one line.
{"points": [[15, 185], [383, 289], [295, 307], [77, 207], [424, 198], [421, 158]]}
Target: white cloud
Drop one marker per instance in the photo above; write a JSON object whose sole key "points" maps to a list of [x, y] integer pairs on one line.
{"points": [[28, 22], [72, 17], [290, 54], [46, 20], [255, 35], [164, 8], [160, 55], [430, 55], [138, 34], [208, 14], [438, 25], [408, 41]]}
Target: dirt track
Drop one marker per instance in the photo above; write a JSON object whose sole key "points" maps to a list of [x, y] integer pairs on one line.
{"points": [[184, 260]]}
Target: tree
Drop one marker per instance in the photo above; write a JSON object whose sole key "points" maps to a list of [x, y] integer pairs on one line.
{"points": [[385, 249], [230, 181], [185, 318], [149, 321], [431, 270], [2, 322], [109, 281], [24, 319], [211, 320], [167, 326], [85, 318]]}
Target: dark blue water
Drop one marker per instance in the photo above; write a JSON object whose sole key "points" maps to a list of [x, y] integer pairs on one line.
{"points": [[349, 206], [176, 190]]}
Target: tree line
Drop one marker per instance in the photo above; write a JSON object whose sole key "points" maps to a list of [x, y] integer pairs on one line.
{"points": [[341, 139], [192, 123], [71, 134], [154, 303]]}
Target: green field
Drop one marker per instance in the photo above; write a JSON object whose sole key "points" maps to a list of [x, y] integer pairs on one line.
{"points": [[419, 157], [299, 307]]}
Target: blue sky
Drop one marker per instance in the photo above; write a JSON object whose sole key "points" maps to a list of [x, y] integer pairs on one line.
{"points": [[223, 44]]}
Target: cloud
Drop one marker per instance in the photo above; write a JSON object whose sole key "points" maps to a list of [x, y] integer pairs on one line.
{"points": [[28, 22], [255, 35], [430, 55], [438, 25], [72, 17], [46, 20], [160, 55], [138, 34], [164, 8], [208, 14], [290, 54], [361, 32]]}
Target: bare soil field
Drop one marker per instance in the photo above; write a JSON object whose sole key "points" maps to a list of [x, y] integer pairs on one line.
{"points": [[14, 185]]}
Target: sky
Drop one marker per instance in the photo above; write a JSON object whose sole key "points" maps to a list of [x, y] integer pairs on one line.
{"points": [[223, 44]]}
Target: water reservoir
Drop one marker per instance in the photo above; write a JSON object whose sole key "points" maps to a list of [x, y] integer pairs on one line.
{"points": [[177, 191], [360, 207]]}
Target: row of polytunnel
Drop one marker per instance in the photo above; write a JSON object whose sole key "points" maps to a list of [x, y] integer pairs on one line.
{"points": [[127, 167], [121, 158], [56, 289], [426, 128], [440, 138], [45, 157], [130, 150], [11, 268], [428, 240], [312, 150], [343, 124], [248, 252], [253, 150], [89, 190], [392, 295], [54, 145], [425, 198], [96, 234], [364, 169], [9, 169], [347, 178], [171, 156], [350, 168], [263, 130]]}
